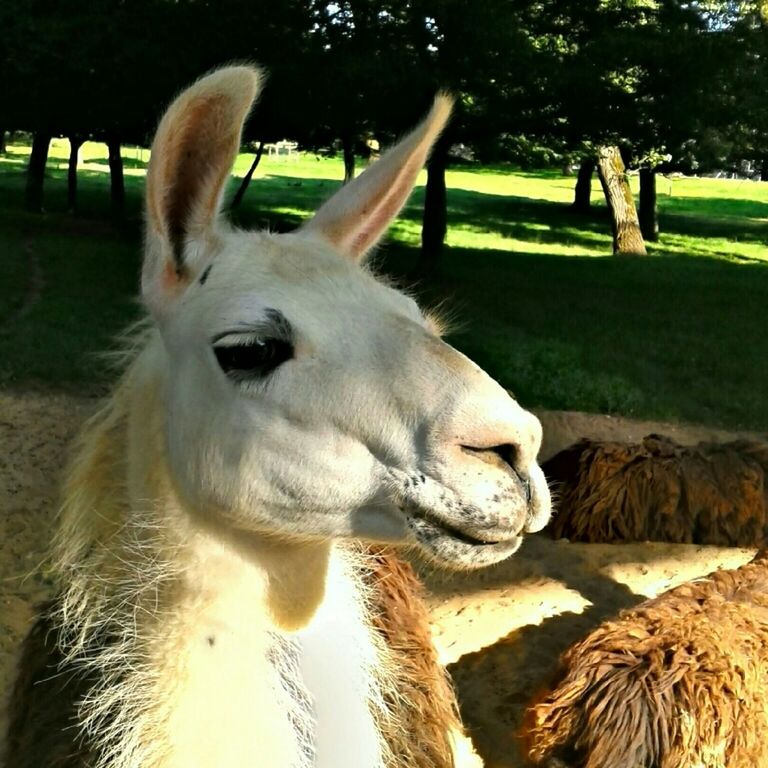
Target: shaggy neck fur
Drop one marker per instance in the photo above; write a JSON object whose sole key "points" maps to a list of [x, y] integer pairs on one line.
{"points": [[209, 648]]}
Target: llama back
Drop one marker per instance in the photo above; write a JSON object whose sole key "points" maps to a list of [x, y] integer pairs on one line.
{"points": [[44, 704], [658, 490], [425, 719], [679, 680]]}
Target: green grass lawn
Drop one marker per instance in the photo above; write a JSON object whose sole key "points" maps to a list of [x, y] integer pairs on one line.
{"points": [[538, 299]]}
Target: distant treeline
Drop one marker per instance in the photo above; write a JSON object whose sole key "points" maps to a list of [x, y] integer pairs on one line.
{"points": [[599, 83]]}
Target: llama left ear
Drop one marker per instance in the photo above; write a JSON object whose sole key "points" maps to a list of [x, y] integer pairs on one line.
{"points": [[194, 149], [356, 217]]}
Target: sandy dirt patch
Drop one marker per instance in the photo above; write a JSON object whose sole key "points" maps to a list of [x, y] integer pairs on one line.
{"points": [[500, 631]]}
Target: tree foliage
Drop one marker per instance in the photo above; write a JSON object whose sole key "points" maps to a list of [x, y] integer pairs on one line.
{"points": [[671, 82]]}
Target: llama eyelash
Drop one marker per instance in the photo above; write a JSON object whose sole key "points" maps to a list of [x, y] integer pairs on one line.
{"points": [[253, 353], [250, 356], [275, 325]]}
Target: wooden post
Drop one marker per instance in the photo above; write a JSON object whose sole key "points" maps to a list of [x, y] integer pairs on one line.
{"points": [[348, 149], [75, 142], [240, 194]]}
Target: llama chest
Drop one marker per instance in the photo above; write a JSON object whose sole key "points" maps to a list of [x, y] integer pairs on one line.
{"points": [[251, 696]]}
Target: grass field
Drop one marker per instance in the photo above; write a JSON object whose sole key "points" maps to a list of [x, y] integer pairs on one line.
{"points": [[539, 300]]}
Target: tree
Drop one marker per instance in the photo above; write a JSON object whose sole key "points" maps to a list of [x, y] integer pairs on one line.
{"points": [[735, 131], [46, 77], [238, 198], [633, 73], [385, 59], [627, 238], [583, 191], [108, 85], [75, 142], [483, 54], [435, 217], [36, 170]]}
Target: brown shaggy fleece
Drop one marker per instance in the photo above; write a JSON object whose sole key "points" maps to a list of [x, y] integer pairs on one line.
{"points": [[661, 491], [426, 711], [44, 702], [43, 707], [681, 680]]}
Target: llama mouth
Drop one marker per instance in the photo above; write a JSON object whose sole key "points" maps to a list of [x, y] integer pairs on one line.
{"points": [[431, 521], [454, 531], [449, 545]]}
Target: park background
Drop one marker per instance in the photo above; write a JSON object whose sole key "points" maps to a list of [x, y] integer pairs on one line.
{"points": [[652, 308], [509, 231]]}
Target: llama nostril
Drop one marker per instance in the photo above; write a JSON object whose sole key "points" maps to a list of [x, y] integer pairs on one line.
{"points": [[507, 452], [505, 456]]}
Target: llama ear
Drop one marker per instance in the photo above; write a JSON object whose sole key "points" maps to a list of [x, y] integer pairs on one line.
{"points": [[194, 149], [356, 217]]}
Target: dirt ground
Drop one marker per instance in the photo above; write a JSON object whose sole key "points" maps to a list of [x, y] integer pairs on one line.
{"points": [[500, 631]]}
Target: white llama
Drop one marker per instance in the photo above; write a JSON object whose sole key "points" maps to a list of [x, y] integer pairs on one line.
{"points": [[216, 606]]}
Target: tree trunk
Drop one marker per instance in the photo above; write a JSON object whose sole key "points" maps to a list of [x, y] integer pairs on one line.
{"points": [[764, 169], [2, 141], [75, 142], [116, 178], [36, 171], [649, 210], [434, 225], [582, 197], [348, 148], [627, 238], [240, 194]]}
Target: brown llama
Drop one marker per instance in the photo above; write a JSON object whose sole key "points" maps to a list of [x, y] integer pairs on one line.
{"points": [[219, 602], [679, 681], [661, 491]]}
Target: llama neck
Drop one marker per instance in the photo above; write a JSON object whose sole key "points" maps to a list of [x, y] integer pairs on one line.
{"points": [[208, 647], [214, 679], [225, 661], [305, 698]]}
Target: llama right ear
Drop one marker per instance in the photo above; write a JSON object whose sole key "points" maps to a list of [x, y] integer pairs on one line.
{"points": [[194, 149], [356, 217]]}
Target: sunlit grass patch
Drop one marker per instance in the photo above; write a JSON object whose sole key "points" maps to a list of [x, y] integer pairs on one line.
{"points": [[541, 302]]}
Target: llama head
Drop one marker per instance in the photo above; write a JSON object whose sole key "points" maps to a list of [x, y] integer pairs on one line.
{"points": [[306, 399]]}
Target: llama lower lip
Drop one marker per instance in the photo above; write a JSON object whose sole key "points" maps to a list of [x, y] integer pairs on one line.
{"points": [[446, 549], [461, 536], [428, 522]]}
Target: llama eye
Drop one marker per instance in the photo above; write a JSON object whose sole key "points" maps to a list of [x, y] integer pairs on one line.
{"points": [[252, 357]]}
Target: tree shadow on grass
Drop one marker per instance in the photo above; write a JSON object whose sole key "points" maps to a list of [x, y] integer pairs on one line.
{"points": [[521, 218], [510, 216], [19, 162], [676, 336], [713, 207], [281, 202], [548, 222], [725, 227]]}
